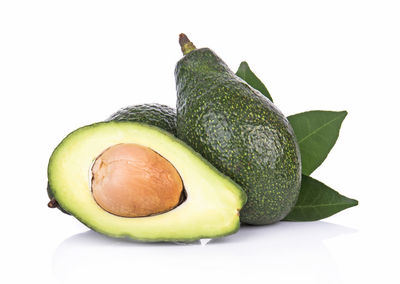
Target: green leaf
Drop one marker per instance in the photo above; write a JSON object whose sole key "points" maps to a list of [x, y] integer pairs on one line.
{"points": [[316, 132], [246, 74], [317, 201]]}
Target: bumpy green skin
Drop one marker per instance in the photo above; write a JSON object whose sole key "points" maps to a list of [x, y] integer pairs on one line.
{"points": [[241, 133], [158, 115]]}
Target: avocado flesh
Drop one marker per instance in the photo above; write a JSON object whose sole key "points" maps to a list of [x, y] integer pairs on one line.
{"points": [[154, 114], [240, 132], [212, 202]]}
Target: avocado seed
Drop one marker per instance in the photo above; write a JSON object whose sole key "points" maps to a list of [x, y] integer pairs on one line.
{"points": [[131, 180]]}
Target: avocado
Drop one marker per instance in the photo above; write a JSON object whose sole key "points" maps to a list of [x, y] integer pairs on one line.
{"points": [[155, 114], [240, 131], [83, 162]]}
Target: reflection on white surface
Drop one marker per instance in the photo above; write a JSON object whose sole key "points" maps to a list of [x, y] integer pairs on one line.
{"points": [[285, 251]]}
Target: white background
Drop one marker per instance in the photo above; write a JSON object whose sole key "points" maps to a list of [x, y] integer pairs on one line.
{"points": [[65, 64]]}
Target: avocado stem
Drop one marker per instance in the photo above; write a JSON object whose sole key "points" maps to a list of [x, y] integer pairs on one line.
{"points": [[186, 45], [52, 203]]}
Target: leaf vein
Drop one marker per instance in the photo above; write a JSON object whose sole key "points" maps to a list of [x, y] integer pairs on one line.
{"points": [[321, 205], [319, 128]]}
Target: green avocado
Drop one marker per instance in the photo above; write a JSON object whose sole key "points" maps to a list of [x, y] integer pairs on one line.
{"points": [[212, 200], [154, 114], [240, 131]]}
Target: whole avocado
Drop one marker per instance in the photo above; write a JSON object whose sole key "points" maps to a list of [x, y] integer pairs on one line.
{"points": [[240, 131], [153, 114]]}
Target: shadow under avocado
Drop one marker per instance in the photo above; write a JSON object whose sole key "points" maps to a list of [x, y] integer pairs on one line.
{"points": [[274, 250]]}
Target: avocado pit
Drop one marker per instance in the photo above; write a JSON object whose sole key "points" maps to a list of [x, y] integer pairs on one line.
{"points": [[130, 180]]}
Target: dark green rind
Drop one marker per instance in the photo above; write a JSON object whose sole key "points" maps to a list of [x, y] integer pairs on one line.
{"points": [[240, 132], [237, 190], [158, 115], [161, 240], [318, 201], [164, 240]]}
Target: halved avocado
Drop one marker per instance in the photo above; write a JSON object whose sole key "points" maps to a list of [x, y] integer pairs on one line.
{"points": [[212, 202]]}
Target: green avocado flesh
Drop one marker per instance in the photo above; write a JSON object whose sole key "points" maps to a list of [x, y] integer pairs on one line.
{"points": [[242, 133], [154, 114], [212, 200]]}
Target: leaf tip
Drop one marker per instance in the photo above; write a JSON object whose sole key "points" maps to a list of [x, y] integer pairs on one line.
{"points": [[243, 65]]}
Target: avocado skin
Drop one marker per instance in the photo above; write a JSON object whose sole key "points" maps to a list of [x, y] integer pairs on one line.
{"points": [[158, 115], [241, 133], [50, 195]]}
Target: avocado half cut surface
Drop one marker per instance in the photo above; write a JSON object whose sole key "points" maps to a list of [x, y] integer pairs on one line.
{"points": [[159, 115], [212, 202]]}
